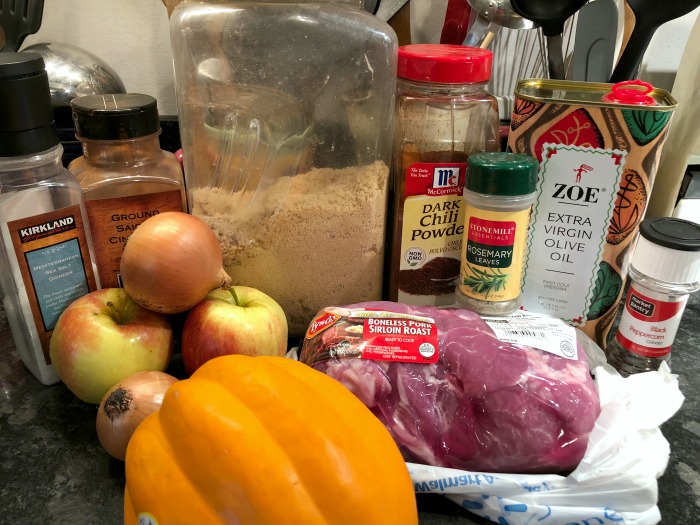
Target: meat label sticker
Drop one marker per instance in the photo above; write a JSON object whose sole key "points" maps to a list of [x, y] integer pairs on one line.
{"points": [[388, 336], [370, 334], [544, 333]]}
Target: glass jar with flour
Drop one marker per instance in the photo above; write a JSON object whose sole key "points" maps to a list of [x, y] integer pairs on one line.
{"points": [[286, 117]]}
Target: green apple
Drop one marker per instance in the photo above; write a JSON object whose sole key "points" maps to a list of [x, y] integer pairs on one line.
{"points": [[104, 337], [238, 320]]}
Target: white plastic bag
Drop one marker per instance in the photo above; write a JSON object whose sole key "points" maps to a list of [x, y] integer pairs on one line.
{"points": [[615, 482]]}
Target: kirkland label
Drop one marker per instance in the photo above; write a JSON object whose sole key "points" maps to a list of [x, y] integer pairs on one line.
{"points": [[576, 192], [47, 229], [54, 260], [648, 325]]}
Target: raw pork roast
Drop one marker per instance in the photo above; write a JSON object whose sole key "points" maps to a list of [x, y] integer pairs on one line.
{"points": [[485, 406]]}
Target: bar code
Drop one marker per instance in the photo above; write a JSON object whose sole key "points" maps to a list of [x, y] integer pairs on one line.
{"points": [[540, 336]]}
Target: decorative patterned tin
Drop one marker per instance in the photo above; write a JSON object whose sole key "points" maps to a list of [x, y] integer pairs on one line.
{"points": [[598, 160]]}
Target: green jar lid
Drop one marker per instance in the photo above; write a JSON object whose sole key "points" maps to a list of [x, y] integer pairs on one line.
{"points": [[504, 174]]}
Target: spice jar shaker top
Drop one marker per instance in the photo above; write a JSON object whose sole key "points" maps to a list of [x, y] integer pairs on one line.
{"points": [[125, 176], [498, 195], [444, 115], [46, 260], [664, 270]]}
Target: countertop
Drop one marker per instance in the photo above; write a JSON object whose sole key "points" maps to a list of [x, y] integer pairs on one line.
{"points": [[54, 471]]}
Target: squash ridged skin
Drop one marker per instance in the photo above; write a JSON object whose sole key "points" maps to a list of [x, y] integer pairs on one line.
{"points": [[265, 440]]}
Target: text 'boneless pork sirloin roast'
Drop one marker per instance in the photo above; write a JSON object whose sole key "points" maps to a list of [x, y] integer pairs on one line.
{"points": [[451, 393]]}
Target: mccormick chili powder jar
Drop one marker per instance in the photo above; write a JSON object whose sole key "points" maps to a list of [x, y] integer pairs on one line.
{"points": [[443, 115]]}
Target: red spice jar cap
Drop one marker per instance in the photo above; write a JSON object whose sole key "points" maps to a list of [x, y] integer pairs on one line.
{"points": [[445, 64]]}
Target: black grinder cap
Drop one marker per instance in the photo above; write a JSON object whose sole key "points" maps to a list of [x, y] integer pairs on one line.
{"points": [[26, 115], [115, 117]]}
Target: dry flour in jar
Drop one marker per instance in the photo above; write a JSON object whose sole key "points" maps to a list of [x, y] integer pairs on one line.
{"points": [[308, 240]]}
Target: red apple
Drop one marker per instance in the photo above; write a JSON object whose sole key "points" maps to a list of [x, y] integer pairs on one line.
{"points": [[104, 337], [239, 320]]}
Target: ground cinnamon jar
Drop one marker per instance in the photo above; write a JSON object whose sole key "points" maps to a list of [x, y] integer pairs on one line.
{"points": [[125, 176], [443, 115]]}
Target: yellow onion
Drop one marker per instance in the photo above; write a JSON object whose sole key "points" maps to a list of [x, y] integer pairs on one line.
{"points": [[125, 405], [171, 262]]}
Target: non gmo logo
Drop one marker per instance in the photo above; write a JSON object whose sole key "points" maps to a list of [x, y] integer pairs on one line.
{"points": [[446, 177]]}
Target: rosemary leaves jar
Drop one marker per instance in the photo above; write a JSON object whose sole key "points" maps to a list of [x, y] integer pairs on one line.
{"points": [[499, 192]]}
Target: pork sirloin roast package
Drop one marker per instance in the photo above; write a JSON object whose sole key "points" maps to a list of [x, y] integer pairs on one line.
{"points": [[483, 403], [452, 393]]}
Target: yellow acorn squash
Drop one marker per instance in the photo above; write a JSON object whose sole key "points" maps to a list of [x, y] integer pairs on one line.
{"points": [[264, 440]]}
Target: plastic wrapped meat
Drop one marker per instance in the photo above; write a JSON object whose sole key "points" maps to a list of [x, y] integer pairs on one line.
{"points": [[483, 405]]}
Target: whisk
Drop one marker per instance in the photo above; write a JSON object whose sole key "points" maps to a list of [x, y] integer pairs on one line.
{"points": [[520, 54]]}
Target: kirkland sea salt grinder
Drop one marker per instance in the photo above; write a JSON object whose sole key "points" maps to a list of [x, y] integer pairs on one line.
{"points": [[46, 259]]}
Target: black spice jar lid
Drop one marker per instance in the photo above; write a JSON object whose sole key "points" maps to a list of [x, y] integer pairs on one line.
{"points": [[502, 174], [115, 117], [26, 115], [670, 232]]}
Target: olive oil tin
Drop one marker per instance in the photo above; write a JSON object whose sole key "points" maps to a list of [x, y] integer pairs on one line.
{"points": [[598, 146]]}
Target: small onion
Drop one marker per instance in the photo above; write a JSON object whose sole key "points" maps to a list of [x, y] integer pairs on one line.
{"points": [[171, 262], [125, 405]]}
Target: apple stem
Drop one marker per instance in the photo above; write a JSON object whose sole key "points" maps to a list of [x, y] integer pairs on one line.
{"points": [[235, 296], [116, 315]]}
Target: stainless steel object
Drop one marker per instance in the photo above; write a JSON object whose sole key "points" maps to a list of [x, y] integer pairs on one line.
{"points": [[388, 8], [74, 72], [491, 16]]}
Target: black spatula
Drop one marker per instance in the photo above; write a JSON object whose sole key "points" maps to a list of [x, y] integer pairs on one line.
{"points": [[551, 16], [19, 18], [649, 15]]}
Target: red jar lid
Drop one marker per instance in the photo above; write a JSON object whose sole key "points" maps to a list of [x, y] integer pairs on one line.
{"points": [[445, 64]]}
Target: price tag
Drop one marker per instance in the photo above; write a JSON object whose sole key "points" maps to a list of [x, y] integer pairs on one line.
{"points": [[544, 333]]}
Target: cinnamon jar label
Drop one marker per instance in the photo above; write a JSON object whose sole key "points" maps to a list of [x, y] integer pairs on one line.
{"points": [[431, 236], [112, 221], [54, 261]]}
